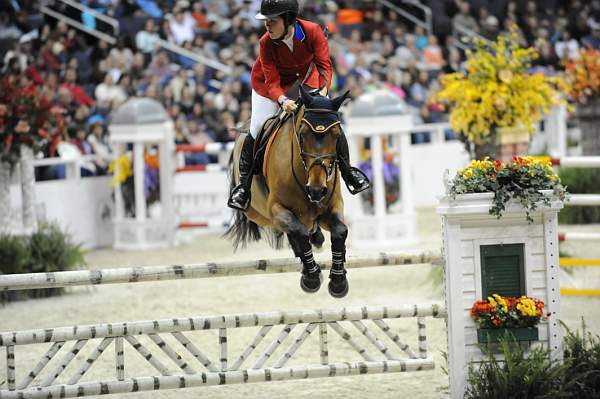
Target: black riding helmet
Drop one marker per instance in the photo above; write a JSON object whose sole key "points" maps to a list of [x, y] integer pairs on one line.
{"points": [[287, 9]]}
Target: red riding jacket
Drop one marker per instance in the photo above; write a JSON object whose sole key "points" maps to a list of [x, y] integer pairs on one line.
{"points": [[277, 68]]}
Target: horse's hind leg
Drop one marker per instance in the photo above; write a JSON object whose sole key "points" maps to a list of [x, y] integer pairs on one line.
{"points": [[338, 284], [299, 237], [317, 239]]}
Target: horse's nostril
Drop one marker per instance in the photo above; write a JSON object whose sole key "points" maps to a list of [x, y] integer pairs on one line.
{"points": [[316, 193]]}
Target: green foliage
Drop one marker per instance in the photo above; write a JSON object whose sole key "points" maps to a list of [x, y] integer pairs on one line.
{"points": [[52, 250], [582, 352], [14, 253], [47, 250], [522, 376], [580, 181], [518, 377]]}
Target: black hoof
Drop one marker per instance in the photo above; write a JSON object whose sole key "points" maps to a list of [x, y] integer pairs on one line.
{"points": [[338, 285], [311, 282]]}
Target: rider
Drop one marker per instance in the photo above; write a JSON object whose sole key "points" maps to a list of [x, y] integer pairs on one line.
{"points": [[292, 51]]}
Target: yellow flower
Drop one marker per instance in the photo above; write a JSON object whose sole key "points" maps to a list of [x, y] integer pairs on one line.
{"points": [[505, 75], [468, 174], [121, 169]]}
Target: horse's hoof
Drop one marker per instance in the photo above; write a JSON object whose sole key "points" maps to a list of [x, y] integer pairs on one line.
{"points": [[311, 282], [338, 285]]}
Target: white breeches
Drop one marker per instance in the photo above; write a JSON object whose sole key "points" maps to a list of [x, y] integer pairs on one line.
{"points": [[262, 109]]}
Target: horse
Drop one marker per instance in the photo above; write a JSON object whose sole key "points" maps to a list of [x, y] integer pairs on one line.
{"points": [[299, 191]]}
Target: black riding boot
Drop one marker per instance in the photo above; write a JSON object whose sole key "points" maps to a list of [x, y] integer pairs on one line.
{"points": [[355, 179], [239, 198]]}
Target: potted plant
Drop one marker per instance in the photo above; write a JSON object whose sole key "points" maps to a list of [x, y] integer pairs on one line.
{"points": [[496, 105], [526, 180], [582, 76], [498, 316], [28, 122]]}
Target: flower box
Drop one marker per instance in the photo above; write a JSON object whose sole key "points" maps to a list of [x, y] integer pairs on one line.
{"points": [[493, 335]]}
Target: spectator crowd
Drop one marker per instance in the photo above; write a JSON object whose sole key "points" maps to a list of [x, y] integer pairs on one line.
{"points": [[371, 46]]}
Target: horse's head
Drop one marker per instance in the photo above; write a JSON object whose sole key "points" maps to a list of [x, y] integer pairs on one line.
{"points": [[318, 133]]}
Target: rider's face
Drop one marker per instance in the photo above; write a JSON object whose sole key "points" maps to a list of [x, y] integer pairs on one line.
{"points": [[274, 27]]}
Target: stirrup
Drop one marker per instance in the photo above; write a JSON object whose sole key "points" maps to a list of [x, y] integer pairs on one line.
{"points": [[355, 190], [236, 205]]}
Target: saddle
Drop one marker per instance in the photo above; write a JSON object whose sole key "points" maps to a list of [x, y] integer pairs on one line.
{"points": [[263, 142]]}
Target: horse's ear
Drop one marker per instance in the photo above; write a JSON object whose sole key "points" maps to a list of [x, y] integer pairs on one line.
{"points": [[306, 97], [337, 102]]}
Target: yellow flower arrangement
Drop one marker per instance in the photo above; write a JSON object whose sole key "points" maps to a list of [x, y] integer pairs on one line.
{"points": [[121, 169], [497, 90], [508, 312]]}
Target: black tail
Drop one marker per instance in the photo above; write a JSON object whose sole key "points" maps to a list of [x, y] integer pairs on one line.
{"points": [[242, 230]]}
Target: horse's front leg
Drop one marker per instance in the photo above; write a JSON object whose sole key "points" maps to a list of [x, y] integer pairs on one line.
{"points": [[299, 237], [338, 284]]}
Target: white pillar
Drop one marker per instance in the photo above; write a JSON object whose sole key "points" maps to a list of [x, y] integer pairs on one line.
{"points": [[138, 179], [119, 205], [28, 190], [5, 208], [378, 180]]}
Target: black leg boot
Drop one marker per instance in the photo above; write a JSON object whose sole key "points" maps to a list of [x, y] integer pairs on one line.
{"points": [[338, 283], [239, 198], [355, 179], [311, 278]]}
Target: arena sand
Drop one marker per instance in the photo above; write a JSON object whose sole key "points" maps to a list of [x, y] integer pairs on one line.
{"points": [[375, 286]]}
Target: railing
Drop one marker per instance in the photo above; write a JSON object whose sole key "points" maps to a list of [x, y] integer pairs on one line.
{"points": [[46, 9], [425, 23], [193, 56]]}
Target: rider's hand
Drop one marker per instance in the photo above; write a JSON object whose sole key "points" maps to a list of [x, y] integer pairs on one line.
{"points": [[287, 104]]}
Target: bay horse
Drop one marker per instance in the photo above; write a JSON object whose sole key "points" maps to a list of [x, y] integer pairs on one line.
{"points": [[299, 191]]}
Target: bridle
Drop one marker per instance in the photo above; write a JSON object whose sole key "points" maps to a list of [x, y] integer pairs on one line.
{"points": [[318, 130], [318, 159]]}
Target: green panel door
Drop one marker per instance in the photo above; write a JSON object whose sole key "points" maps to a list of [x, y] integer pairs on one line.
{"points": [[503, 270]]}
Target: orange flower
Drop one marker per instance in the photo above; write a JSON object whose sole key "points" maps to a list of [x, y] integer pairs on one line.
{"points": [[152, 161]]}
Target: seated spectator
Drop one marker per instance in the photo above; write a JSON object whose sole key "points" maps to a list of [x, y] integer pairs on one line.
{"points": [[593, 39], [407, 52], [98, 139], [421, 39], [566, 48], [77, 92], [464, 19], [108, 92], [182, 25], [146, 40], [433, 53]]}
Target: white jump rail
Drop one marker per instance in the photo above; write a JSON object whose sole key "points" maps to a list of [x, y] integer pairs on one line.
{"points": [[348, 323], [11, 282], [580, 162]]}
